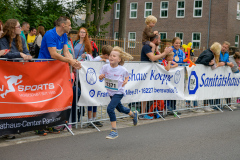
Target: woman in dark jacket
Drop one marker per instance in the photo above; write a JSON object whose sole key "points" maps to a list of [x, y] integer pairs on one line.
{"points": [[12, 40], [210, 57]]}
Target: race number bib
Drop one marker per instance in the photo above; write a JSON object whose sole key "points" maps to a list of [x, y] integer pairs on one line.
{"points": [[111, 84]]}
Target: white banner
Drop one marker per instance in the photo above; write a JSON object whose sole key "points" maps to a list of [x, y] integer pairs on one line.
{"points": [[147, 81], [205, 83]]}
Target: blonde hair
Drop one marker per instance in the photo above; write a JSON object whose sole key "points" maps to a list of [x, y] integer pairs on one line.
{"points": [[216, 48], [227, 43], [151, 18], [123, 55], [107, 49], [169, 54]]}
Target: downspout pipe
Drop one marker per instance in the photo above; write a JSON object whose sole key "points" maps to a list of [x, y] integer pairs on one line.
{"points": [[209, 20], [114, 8]]}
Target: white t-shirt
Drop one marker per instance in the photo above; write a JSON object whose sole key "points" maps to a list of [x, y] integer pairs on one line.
{"points": [[118, 73], [98, 58]]}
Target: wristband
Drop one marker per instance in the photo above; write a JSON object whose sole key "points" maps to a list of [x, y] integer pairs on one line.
{"points": [[6, 51], [225, 63]]}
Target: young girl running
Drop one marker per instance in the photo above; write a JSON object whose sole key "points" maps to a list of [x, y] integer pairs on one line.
{"points": [[116, 77]]}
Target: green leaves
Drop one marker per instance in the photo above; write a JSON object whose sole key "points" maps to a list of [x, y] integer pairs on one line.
{"points": [[35, 12], [39, 12]]}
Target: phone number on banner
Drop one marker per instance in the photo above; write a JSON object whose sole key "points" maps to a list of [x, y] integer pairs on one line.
{"points": [[151, 90]]}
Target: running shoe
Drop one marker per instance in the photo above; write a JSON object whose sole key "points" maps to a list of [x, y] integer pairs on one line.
{"points": [[98, 124], [69, 126], [90, 125], [135, 118], [41, 132], [9, 136], [52, 130], [112, 135], [146, 117], [208, 109], [198, 111]]}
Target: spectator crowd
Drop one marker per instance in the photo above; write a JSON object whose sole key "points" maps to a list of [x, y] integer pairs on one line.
{"points": [[27, 42]]}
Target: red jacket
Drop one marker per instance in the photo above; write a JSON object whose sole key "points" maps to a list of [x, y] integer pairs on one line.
{"points": [[94, 46]]}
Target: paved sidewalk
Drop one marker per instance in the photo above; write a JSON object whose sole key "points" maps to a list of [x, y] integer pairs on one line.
{"points": [[121, 123]]}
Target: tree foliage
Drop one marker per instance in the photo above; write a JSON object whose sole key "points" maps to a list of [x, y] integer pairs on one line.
{"points": [[97, 8], [35, 12], [45, 12]]}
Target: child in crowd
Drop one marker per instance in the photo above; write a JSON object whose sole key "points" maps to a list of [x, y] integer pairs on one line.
{"points": [[116, 77], [106, 50], [179, 55], [168, 61], [92, 110], [148, 33]]}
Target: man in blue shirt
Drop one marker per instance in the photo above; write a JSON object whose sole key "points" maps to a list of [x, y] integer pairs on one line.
{"points": [[55, 41], [224, 55], [148, 55]]}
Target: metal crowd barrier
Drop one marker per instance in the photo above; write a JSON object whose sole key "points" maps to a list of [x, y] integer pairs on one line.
{"points": [[170, 106]]}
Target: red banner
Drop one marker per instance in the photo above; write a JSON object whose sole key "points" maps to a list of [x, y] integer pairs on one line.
{"points": [[33, 95]]}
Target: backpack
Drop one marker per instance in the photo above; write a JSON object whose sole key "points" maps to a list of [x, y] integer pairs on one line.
{"points": [[95, 50], [157, 104], [32, 46]]}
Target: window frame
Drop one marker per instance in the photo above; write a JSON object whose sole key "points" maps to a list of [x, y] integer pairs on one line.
{"points": [[180, 9], [236, 43], [135, 10], [180, 37], [238, 11], [197, 9], [147, 9], [196, 40], [160, 33], [134, 40], [117, 11], [115, 38], [161, 9]]}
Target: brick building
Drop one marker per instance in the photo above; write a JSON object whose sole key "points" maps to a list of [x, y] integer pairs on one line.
{"points": [[199, 21]]}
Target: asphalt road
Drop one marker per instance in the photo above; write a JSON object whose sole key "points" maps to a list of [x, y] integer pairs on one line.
{"points": [[207, 137]]}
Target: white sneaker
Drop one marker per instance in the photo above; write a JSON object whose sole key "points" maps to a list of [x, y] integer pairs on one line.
{"points": [[198, 111], [208, 109], [233, 107]]}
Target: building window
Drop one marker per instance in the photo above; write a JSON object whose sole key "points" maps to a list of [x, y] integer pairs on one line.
{"points": [[238, 10], [163, 35], [180, 9], [116, 42], [117, 12], [133, 10], [237, 41], [197, 8], [164, 9], [180, 35], [196, 40], [148, 9], [131, 39]]}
